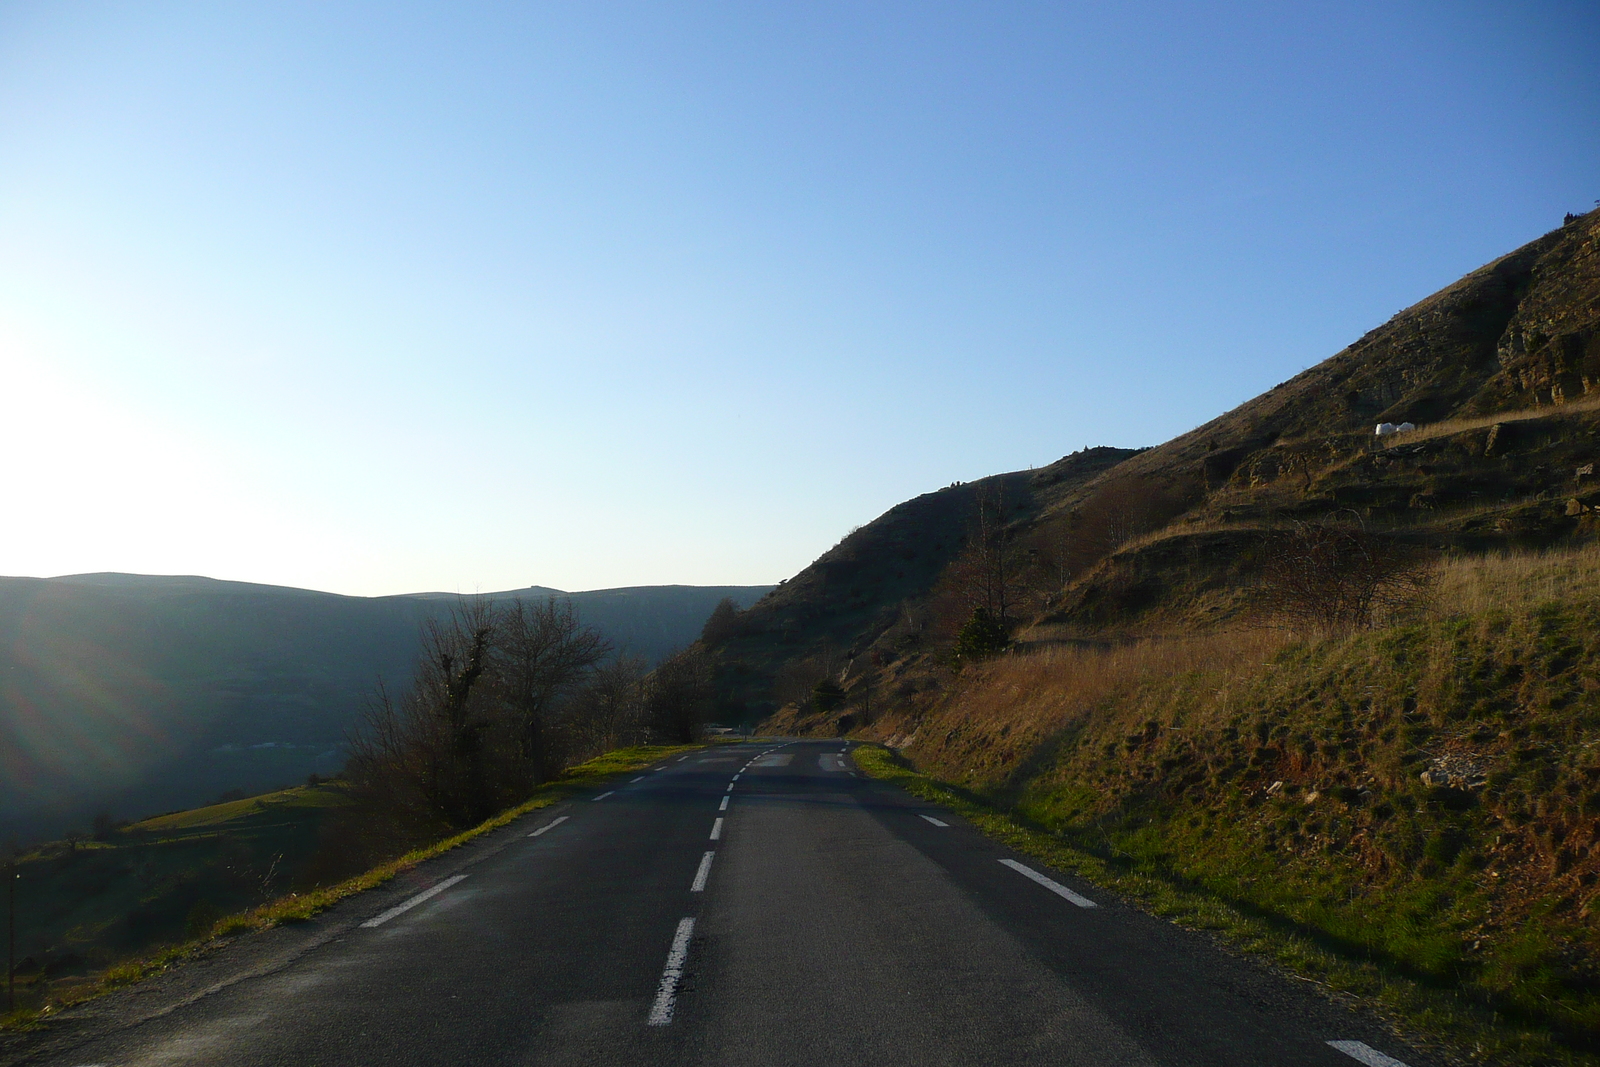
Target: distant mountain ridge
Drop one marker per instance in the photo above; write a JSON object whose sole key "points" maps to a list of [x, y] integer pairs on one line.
{"points": [[133, 694]]}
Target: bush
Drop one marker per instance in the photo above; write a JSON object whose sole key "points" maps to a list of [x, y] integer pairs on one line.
{"points": [[983, 635], [828, 695], [1337, 575]]}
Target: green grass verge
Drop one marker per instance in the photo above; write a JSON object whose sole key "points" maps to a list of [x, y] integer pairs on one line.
{"points": [[299, 907], [1428, 1017]]}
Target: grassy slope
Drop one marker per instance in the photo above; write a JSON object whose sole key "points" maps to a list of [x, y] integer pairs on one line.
{"points": [[82, 906], [76, 901], [1409, 813]]}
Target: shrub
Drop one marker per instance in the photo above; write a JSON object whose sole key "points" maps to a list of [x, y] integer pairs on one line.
{"points": [[983, 635], [828, 695]]}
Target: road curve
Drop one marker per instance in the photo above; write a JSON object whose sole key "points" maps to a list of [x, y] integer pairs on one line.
{"points": [[750, 905]]}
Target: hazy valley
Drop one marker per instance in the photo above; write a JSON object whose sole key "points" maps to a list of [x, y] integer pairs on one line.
{"points": [[131, 695]]}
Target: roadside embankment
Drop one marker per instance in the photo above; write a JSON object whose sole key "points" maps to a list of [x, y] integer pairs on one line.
{"points": [[1409, 813]]}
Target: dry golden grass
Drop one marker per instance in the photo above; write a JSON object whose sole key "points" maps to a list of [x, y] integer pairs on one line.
{"points": [[1001, 714], [1428, 431], [1473, 585], [1005, 709]]}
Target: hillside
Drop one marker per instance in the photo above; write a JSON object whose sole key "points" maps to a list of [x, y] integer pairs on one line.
{"points": [[1500, 373], [873, 587], [131, 694], [1403, 809]]}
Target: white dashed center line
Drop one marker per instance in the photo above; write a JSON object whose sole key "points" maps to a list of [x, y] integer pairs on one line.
{"points": [[551, 825], [936, 822], [702, 874], [638, 779], [1051, 884], [607, 793], [730, 787], [1360, 1050], [667, 993], [716, 830], [400, 909], [724, 805]]}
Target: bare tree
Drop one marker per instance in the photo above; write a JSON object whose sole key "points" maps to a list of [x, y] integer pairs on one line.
{"points": [[987, 577], [542, 654], [489, 714], [424, 756], [610, 706], [1336, 575], [678, 695]]}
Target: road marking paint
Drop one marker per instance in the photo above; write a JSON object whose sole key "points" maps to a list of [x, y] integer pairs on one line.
{"points": [[426, 894], [667, 993], [716, 830], [1050, 884], [724, 805], [607, 793], [1360, 1050], [936, 822], [736, 777], [702, 874], [682, 758], [551, 825], [730, 787], [638, 779]]}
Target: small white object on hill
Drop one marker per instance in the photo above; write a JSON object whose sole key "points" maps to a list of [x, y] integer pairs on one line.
{"points": [[1386, 428]]}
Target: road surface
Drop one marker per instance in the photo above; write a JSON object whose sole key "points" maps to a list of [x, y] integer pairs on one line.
{"points": [[745, 905]]}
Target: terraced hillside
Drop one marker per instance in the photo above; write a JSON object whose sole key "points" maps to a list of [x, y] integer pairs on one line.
{"points": [[1500, 373]]}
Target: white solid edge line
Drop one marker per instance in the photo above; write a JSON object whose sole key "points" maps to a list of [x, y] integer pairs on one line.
{"points": [[716, 830], [1360, 1050], [551, 825], [936, 822], [1050, 884], [399, 909], [607, 793], [667, 993], [702, 874]]}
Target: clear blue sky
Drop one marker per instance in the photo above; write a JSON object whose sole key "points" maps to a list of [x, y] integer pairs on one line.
{"points": [[385, 297]]}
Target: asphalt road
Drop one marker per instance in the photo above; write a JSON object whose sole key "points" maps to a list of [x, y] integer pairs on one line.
{"points": [[749, 905]]}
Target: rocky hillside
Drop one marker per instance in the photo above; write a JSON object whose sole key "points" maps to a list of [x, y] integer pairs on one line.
{"points": [[1499, 373]]}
